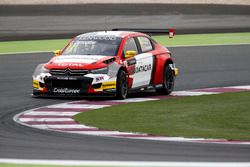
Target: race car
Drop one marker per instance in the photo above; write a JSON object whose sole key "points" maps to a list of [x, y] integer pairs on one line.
{"points": [[107, 63]]}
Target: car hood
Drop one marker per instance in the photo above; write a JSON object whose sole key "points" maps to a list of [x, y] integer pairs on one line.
{"points": [[77, 62]]}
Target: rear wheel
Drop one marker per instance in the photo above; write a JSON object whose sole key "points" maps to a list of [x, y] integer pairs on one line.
{"points": [[121, 85], [168, 81]]}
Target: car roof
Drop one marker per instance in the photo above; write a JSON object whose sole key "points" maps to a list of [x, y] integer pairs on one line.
{"points": [[120, 34]]}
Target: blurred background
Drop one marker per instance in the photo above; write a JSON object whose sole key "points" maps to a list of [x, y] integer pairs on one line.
{"points": [[32, 19]]}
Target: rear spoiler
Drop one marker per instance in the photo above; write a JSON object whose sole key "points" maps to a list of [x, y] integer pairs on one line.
{"points": [[150, 32]]}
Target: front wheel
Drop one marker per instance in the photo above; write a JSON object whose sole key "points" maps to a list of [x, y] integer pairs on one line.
{"points": [[168, 81], [121, 85]]}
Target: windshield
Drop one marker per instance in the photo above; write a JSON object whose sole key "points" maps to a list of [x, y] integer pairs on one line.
{"points": [[93, 45]]}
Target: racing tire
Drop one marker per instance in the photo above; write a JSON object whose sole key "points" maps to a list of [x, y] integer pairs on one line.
{"points": [[34, 94], [121, 85], [168, 81]]}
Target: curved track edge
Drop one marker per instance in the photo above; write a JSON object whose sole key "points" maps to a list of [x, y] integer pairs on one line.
{"points": [[58, 117]]}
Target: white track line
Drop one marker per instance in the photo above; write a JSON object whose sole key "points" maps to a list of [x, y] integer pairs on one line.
{"points": [[130, 100], [101, 133], [124, 163], [169, 138], [76, 126], [45, 119], [73, 106], [192, 93], [57, 113], [247, 87]]}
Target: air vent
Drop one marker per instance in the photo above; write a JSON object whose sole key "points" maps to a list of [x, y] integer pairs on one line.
{"points": [[109, 61]]}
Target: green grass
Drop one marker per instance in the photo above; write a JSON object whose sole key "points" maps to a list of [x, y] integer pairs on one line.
{"points": [[192, 39], [205, 39], [32, 46], [214, 116]]}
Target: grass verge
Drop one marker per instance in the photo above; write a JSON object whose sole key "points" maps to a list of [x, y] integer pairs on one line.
{"points": [[32, 46], [224, 116], [205, 39], [178, 40]]}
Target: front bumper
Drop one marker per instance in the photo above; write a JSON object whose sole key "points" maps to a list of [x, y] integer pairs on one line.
{"points": [[176, 71], [74, 86]]}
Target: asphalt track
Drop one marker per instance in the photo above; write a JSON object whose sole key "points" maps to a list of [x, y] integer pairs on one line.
{"points": [[200, 67], [63, 21]]}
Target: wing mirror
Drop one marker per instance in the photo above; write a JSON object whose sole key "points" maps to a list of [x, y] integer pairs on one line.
{"points": [[57, 52], [130, 53]]}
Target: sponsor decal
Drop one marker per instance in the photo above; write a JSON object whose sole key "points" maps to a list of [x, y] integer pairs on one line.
{"points": [[76, 60], [98, 37], [99, 78], [66, 78], [70, 64], [143, 68], [66, 90], [107, 85]]}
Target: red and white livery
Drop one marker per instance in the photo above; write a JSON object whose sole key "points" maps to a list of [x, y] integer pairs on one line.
{"points": [[109, 63]]}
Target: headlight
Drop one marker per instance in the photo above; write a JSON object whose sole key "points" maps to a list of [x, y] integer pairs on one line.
{"points": [[100, 71], [40, 69], [44, 70]]}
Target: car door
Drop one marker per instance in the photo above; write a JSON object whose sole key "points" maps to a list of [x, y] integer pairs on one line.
{"points": [[144, 63]]}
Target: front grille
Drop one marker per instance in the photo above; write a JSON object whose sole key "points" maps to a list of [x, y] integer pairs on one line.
{"points": [[77, 84], [69, 72], [81, 83]]}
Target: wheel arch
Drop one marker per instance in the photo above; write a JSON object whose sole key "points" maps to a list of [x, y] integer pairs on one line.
{"points": [[119, 84], [130, 80], [122, 68], [160, 64], [168, 61]]}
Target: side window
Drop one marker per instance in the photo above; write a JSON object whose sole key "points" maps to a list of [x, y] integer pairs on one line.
{"points": [[145, 44], [130, 45]]}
